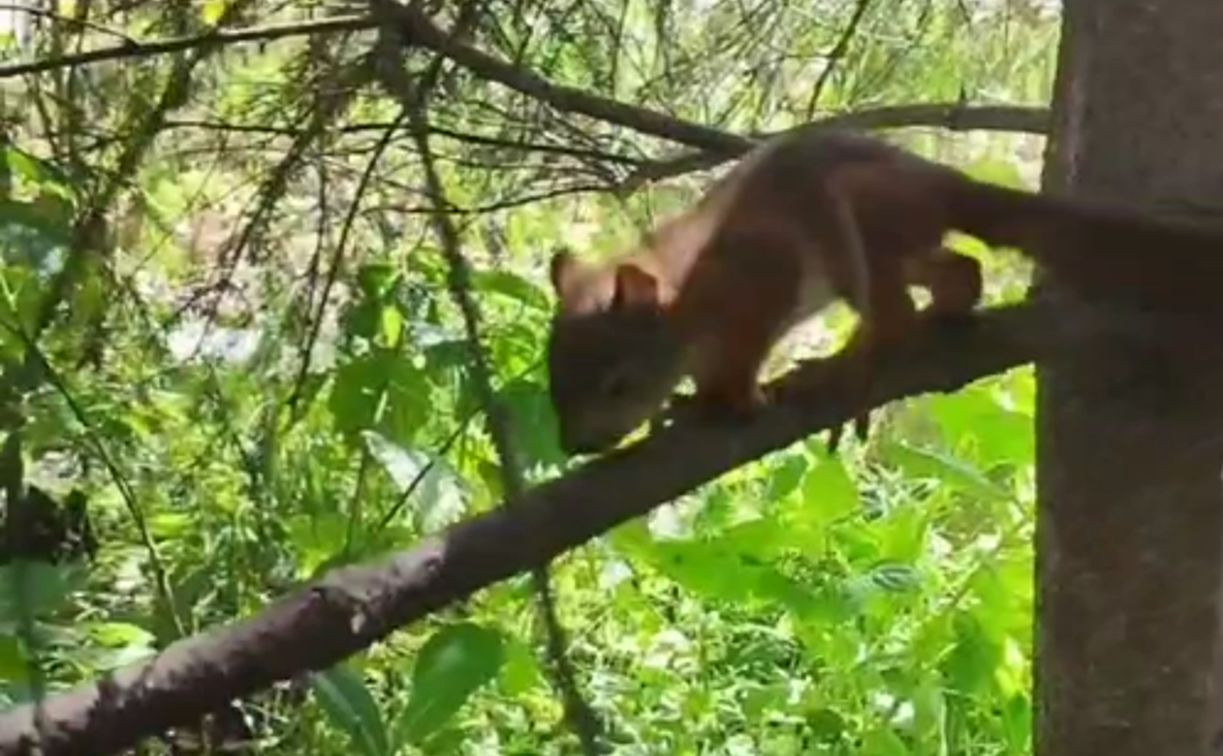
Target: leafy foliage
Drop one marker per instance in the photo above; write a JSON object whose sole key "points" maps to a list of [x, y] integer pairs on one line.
{"points": [[249, 395]]}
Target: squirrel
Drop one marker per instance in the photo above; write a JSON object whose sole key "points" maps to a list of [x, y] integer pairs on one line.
{"points": [[805, 219]]}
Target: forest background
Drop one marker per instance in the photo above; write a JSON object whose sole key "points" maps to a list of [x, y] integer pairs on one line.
{"points": [[229, 336]]}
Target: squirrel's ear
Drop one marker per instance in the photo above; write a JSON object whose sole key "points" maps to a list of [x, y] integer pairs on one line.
{"points": [[563, 263], [636, 287]]}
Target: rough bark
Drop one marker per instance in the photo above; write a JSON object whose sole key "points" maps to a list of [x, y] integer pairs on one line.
{"points": [[1130, 428]]}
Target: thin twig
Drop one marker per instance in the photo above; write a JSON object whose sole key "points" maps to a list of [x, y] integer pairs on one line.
{"points": [[337, 259], [70, 21], [414, 97], [35, 357], [577, 711], [836, 54], [178, 44]]}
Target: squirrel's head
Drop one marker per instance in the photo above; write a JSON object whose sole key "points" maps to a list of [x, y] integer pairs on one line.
{"points": [[613, 356]]}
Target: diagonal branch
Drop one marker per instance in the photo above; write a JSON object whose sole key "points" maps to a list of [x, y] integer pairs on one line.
{"points": [[214, 38], [834, 56], [418, 29], [351, 608], [952, 116]]}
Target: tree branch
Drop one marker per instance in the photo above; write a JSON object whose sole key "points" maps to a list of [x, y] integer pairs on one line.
{"points": [[177, 44], [351, 608], [950, 115], [835, 55], [418, 29]]}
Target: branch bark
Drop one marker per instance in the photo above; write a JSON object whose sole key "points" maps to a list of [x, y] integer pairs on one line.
{"points": [[351, 608], [163, 46]]}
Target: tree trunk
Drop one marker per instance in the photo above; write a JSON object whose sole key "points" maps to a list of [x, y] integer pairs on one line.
{"points": [[1130, 431]]}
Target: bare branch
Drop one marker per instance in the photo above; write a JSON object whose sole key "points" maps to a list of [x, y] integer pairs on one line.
{"points": [[351, 608], [950, 116], [834, 56], [177, 44], [418, 29]]}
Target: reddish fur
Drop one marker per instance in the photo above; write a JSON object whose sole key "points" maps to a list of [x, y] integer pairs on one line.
{"points": [[874, 218]]}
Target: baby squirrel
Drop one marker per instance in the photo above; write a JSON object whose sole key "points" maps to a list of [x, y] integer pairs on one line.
{"points": [[801, 221]]}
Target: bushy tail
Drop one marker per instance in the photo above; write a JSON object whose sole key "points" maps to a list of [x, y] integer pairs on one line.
{"points": [[1107, 251]]}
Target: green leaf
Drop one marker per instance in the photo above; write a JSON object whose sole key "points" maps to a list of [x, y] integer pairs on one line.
{"points": [[317, 538], [786, 477], [120, 634], [13, 666], [34, 170], [213, 11], [440, 498], [828, 496], [350, 706], [391, 324], [451, 666], [971, 664], [975, 418], [829, 492], [382, 391], [897, 578], [521, 671], [882, 741], [948, 470], [43, 588], [513, 286], [533, 422]]}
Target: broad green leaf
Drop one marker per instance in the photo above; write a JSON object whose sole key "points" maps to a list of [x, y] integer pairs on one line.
{"points": [[785, 478], [533, 422], [31, 589], [828, 491], [120, 634], [13, 666], [997, 435], [317, 539], [882, 741], [169, 524], [828, 495], [213, 11], [513, 286], [897, 578], [440, 498], [970, 666], [35, 171], [381, 390], [350, 706], [391, 323], [902, 533], [452, 665], [929, 464], [521, 671]]}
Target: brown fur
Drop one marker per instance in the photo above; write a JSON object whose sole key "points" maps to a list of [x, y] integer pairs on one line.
{"points": [[807, 219]]}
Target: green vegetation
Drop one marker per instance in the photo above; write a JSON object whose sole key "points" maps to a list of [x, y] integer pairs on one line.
{"points": [[876, 603]]}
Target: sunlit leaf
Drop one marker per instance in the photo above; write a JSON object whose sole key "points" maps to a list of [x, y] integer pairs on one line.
{"points": [[32, 588], [452, 665], [926, 463], [440, 496], [534, 422], [511, 285], [13, 664], [348, 703]]}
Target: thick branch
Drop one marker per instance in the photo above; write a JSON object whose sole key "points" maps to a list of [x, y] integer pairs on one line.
{"points": [[163, 46], [352, 608]]}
